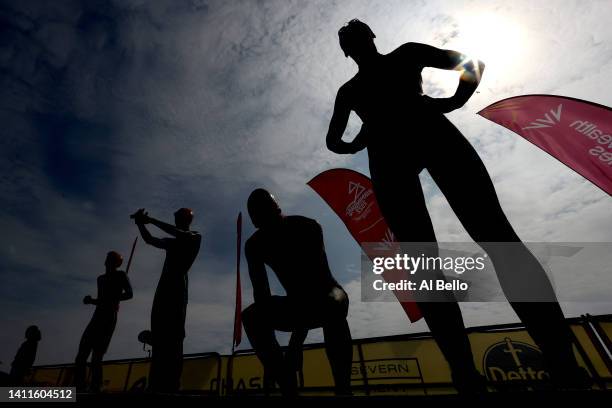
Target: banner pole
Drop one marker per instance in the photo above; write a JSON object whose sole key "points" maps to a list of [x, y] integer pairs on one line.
{"points": [[237, 335], [127, 268], [238, 308]]}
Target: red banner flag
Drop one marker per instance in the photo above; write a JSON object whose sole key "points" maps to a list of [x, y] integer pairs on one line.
{"points": [[578, 133], [238, 311], [351, 196]]}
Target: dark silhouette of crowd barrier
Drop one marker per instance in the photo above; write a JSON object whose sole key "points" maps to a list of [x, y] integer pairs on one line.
{"points": [[409, 364]]}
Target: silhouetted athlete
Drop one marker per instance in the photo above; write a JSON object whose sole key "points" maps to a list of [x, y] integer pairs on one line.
{"points": [[113, 287], [170, 302], [406, 132], [293, 247], [24, 359]]}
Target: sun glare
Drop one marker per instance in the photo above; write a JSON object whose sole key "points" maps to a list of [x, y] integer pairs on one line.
{"points": [[499, 42]]}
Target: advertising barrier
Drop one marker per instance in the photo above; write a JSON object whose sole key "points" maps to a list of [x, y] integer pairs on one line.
{"points": [[409, 364]]}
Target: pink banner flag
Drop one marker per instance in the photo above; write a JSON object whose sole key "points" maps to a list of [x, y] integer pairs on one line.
{"points": [[350, 195], [577, 133]]}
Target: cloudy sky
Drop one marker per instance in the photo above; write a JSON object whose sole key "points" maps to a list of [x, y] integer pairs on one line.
{"points": [[110, 106]]}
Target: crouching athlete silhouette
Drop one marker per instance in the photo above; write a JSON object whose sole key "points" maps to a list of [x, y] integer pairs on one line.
{"points": [[292, 246]]}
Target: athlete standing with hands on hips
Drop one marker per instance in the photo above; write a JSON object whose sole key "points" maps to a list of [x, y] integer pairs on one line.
{"points": [[406, 132]]}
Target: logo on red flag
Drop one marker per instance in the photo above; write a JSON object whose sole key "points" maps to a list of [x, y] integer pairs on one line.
{"points": [[577, 133], [351, 196]]}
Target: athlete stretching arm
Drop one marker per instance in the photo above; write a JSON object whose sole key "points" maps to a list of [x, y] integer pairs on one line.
{"points": [[257, 273]]}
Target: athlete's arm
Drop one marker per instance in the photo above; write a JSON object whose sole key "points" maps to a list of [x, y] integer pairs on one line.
{"points": [[126, 290], [150, 239], [471, 72], [257, 273], [170, 229], [360, 141], [88, 300], [317, 237], [337, 126], [141, 217]]}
